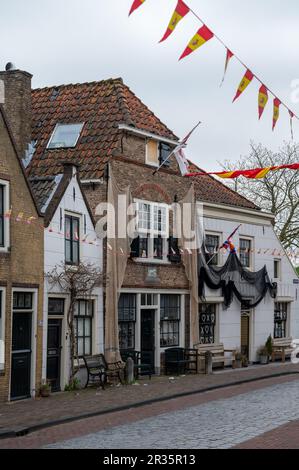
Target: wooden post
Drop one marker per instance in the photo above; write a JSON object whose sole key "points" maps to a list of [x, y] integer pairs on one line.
{"points": [[130, 371]]}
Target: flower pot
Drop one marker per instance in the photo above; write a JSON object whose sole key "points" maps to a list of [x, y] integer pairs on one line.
{"points": [[264, 359], [45, 393]]}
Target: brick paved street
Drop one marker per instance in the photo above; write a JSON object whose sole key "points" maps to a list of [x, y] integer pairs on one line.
{"points": [[217, 424], [83, 427], [19, 415]]}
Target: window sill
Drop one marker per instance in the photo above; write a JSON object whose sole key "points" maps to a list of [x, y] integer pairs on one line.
{"points": [[152, 261]]}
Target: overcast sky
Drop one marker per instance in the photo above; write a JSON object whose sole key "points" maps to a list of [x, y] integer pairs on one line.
{"points": [[70, 41]]}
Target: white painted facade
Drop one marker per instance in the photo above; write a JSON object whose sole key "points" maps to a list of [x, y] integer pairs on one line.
{"points": [[221, 221], [72, 203]]}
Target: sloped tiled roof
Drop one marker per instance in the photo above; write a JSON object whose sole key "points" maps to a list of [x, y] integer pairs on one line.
{"points": [[44, 189], [102, 106]]}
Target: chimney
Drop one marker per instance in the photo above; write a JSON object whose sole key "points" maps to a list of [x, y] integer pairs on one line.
{"points": [[17, 105]]}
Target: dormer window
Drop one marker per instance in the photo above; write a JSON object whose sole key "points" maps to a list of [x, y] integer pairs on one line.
{"points": [[65, 136], [157, 153]]}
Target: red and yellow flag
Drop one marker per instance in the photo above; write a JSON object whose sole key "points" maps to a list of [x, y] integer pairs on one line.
{"points": [[229, 55], [276, 105], [136, 4], [179, 13], [203, 35], [255, 173], [246, 80], [263, 100]]}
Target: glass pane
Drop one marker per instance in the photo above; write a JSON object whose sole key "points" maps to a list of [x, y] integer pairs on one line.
{"points": [[87, 343], [80, 327], [80, 347], [56, 306], [87, 327], [68, 228], [68, 252], [65, 135]]}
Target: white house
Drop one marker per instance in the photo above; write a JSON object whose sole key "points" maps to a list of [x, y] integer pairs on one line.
{"points": [[70, 238], [257, 246]]}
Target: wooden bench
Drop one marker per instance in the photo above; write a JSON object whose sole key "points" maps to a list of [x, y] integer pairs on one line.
{"points": [[218, 353], [181, 360], [98, 368], [282, 347], [139, 367]]}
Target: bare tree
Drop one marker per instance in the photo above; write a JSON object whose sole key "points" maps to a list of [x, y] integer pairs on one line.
{"points": [[78, 282], [277, 193]]}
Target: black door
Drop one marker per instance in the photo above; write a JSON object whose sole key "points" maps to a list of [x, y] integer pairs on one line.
{"points": [[21, 356], [148, 337], [54, 354]]}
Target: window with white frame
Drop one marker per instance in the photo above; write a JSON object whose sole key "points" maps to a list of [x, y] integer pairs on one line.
{"points": [[65, 136], [281, 319], [170, 315], [2, 310], [4, 206], [246, 252], [84, 312], [207, 323], [212, 245], [153, 230]]}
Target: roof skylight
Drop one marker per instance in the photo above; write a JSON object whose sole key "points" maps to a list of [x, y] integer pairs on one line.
{"points": [[65, 136]]}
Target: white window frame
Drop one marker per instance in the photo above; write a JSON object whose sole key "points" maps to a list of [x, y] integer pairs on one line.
{"points": [[152, 232], [5, 248], [2, 329], [219, 254], [65, 124], [251, 257], [147, 161], [217, 304]]}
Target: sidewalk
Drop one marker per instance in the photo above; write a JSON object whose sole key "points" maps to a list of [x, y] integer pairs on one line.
{"points": [[19, 418]]}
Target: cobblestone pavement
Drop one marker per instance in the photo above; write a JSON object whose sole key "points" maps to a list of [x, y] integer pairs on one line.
{"points": [[18, 415], [218, 424]]}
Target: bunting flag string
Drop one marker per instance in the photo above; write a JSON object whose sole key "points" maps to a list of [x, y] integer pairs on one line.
{"points": [[256, 173], [291, 253], [203, 35]]}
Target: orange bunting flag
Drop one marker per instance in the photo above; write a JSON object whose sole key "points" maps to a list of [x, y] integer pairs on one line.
{"points": [[263, 100], [246, 80], [291, 122], [203, 35], [276, 105], [229, 56], [179, 13], [136, 4]]}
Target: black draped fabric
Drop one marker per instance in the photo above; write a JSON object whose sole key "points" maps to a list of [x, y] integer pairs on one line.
{"points": [[233, 279]]}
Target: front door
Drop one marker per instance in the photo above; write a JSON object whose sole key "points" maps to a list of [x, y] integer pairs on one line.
{"points": [[54, 354], [148, 337], [245, 335], [21, 356]]}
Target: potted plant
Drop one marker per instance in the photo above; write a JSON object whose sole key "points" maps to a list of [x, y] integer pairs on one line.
{"points": [[45, 389], [244, 361], [263, 355], [238, 359]]}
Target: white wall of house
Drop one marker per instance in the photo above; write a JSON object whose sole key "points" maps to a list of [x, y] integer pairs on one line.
{"points": [[266, 248], [72, 203]]}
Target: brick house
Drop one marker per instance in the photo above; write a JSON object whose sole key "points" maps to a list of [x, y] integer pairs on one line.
{"points": [[107, 130], [21, 251], [97, 123]]}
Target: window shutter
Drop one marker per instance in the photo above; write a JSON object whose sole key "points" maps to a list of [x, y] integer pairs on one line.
{"points": [[135, 248], [174, 255]]}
